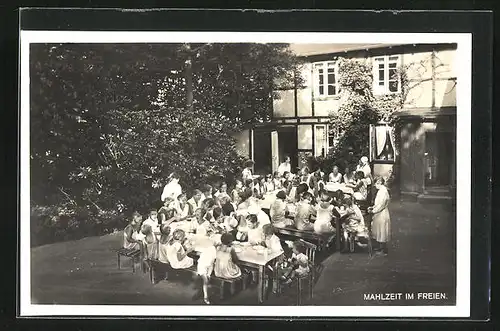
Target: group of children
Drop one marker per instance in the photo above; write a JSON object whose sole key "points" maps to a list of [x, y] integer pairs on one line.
{"points": [[237, 217], [205, 214]]}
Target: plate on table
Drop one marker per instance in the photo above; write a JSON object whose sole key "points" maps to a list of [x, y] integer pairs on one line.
{"points": [[245, 243], [238, 249]]}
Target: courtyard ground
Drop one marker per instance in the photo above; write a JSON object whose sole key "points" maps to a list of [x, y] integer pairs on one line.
{"points": [[421, 259]]}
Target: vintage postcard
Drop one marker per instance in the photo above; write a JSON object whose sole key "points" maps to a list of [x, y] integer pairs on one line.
{"points": [[222, 174]]}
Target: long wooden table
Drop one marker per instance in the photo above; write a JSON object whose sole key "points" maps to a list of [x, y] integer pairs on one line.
{"points": [[247, 256], [320, 239]]}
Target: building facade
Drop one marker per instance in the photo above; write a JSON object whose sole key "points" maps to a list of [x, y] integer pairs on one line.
{"points": [[299, 126]]}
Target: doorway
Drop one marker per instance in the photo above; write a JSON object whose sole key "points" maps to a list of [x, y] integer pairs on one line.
{"points": [[438, 159], [287, 145], [262, 151]]}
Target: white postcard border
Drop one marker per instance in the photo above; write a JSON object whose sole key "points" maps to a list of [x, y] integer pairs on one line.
{"points": [[463, 62]]}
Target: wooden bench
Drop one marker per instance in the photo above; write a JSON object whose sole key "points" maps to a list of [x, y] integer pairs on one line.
{"points": [[133, 254], [221, 283], [156, 266]]}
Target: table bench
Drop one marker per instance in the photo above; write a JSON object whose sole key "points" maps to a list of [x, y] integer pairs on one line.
{"points": [[156, 266], [133, 254]]}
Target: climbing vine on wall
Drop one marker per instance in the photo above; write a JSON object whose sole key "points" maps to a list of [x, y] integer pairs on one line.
{"points": [[360, 108]]}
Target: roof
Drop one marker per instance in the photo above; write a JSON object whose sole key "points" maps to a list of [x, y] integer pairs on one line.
{"points": [[317, 49], [426, 112]]}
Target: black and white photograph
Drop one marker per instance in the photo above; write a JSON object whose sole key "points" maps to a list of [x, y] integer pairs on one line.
{"points": [[224, 173]]}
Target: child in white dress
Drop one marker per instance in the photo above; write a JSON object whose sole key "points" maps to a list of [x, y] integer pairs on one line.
{"points": [[177, 253], [324, 216]]}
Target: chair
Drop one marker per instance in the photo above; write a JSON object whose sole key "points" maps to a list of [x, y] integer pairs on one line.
{"points": [[133, 254], [310, 278]]}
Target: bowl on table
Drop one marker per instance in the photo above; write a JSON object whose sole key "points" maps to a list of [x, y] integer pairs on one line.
{"points": [[238, 249]]}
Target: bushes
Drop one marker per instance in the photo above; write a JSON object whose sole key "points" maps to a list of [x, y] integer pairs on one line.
{"points": [[51, 224]]}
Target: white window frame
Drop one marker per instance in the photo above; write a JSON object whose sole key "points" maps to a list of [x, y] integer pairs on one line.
{"points": [[324, 66], [336, 137], [386, 60], [325, 138]]}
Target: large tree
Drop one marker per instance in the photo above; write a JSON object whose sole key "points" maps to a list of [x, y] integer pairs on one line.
{"points": [[109, 121]]}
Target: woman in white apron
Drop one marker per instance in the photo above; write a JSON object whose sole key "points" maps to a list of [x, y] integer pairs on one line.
{"points": [[381, 220]]}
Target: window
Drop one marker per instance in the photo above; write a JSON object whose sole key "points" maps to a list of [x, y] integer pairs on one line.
{"points": [[386, 79], [333, 138], [325, 79], [320, 140], [381, 143]]}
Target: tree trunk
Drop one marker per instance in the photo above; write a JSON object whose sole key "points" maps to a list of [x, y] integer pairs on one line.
{"points": [[189, 79]]}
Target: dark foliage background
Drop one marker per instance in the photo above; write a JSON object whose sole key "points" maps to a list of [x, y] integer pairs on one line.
{"points": [[109, 122]]}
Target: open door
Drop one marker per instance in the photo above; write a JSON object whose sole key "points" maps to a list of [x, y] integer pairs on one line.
{"points": [[274, 151]]}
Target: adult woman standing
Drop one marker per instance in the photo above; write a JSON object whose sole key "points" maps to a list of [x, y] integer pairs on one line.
{"points": [[381, 220], [173, 189]]}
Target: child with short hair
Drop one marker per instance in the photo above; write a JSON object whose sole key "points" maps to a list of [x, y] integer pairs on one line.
{"points": [[184, 209], [202, 226], [298, 263], [271, 241], [324, 216], [152, 220], [269, 184], [225, 266], [131, 234], [235, 194], [167, 213], [163, 243], [177, 254], [277, 181], [196, 200], [149, 242], [305, 213], [254, 233]]}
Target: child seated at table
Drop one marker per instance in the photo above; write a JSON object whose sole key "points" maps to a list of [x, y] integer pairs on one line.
{"points": [[167, 213], [360, 188], [184, 209], [269, 184], [218, 218], [132, 238], [279, 211], [149, 242], [254, 234], [242, 230], [297, 265], [230, 224], [277, 181], [324, 215], [202, 226], [152, 220], [271, 241], [305, 212], [177, 254], [163, 243], [225, 266], [226, 205], [354, 226], [235, 193]]}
